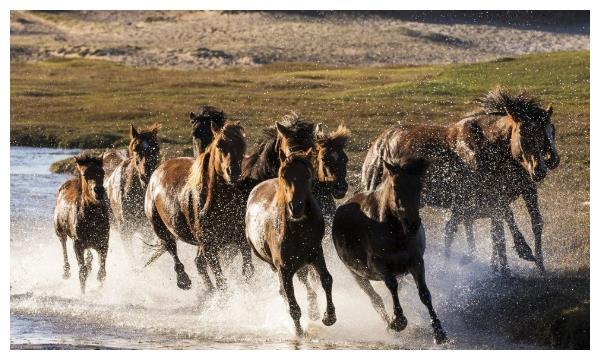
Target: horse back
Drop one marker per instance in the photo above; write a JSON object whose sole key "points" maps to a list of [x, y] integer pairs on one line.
{"points": [[262, 220]]}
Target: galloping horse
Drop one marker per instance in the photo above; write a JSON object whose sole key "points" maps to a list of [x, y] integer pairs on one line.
{"points": [[378, 235], [126, 186], [202, 123], [81, 213], [285, 227], [196, 201], [478, 169]]}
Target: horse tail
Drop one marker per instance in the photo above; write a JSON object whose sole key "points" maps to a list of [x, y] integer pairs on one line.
{"points": [[158, 249]]}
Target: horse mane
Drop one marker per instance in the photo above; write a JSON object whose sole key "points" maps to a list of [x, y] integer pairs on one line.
{"points": [[202, 172], [211, 113], [87, 158], [337, 138], [263, 160], [501, 103]]}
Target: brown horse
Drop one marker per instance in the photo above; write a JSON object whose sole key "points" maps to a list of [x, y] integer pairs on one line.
{"points": [[202, 134], [126, 186], [478, 169], [378, 235], [81, 213], [285, 227], [111, 159], [196, 201]]}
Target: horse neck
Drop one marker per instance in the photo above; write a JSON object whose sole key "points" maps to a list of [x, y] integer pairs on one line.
{"points": [[498, 137], [133, 175], [196, 146], [386, 200]]}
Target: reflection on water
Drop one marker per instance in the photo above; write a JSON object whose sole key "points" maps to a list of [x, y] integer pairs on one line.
{"points": [[143, 308]]}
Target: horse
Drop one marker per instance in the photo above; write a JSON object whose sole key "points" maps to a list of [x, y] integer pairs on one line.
{"points": [[126, 186], [196, 201], [330, 164], [81, 213], [111, 159], [378, 235], [202, 121], [285, 228], [478, 168]]}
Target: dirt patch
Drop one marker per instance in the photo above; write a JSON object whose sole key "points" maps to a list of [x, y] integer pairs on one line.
{"points": [[214, 40]]}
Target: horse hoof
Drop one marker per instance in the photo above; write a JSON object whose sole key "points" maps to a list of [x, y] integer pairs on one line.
{"points": [[66, 274], [398, 324], [101, 276], [183, 281], [467, 259], [524, 252], [540, 265], [329, 319], [440, 337]]}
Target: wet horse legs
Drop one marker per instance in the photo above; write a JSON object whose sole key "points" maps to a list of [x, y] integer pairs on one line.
{"points": [[523, 250], [66, 266], [418, 273], [212, 257], [376, 300], [201, 265], [499, 262], [83, 268], [313, 305], [537, 224], [451, 226], [287, 290], [399, 322], [329, 317]]}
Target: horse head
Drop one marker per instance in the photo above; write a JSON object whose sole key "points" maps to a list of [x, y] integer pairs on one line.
{"points": [[331, 161], [295, 183], [91, 175], [144, 150]]}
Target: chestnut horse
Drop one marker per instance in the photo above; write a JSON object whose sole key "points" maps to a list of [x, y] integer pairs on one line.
{"points": [[196, 201], [285, 228], [126, 186], [378, 235], [478, 169], [81, 213], [202, 134]]}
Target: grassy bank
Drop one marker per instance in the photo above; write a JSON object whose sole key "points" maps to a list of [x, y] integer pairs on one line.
{"points": [[89, 104]]}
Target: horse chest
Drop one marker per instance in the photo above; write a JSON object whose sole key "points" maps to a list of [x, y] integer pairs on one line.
{"points": [[91, 224]]}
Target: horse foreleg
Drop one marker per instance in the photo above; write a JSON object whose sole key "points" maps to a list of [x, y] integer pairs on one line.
{"points": [[287, 285], [537, 224], [83, 269], [102, 251], [313, 305], [212, 257], [451, 226], [399, 322], [418, 273], [523, 250], [201, 265], [499, 262], [66, 266], [329, 317], [183, 280], [376, 300]]}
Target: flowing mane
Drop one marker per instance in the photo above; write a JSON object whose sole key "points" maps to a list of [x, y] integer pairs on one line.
{"points": [[263, 161], [337, 138], [499, 102]]}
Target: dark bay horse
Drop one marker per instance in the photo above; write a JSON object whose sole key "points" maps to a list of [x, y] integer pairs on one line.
{"points": [[378, 235], [81, 213], [285, 227], [478, 169], [202, 122], [196, 201], [126, 186]]}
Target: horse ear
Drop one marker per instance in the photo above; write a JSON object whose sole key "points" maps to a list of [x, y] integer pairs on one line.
{"points": [[155, 127], [319, 130], [389, 166], [193, 117], [549, 110], [133, 133], [283, 131], [214, 127]]}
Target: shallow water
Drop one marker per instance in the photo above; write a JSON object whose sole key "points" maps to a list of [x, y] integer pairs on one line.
{"points": [[143, 308]]}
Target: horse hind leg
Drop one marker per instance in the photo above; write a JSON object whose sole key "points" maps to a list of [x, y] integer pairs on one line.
{"points": [[313, 305], [520, 245], [418, 273], [499, 262], [287, 287], [170, 245], [468, 258], [248, 266], [450, 231], [376, 300], [329, 317], [102, 252], [212, 257], [89, 258], [66, 266]]}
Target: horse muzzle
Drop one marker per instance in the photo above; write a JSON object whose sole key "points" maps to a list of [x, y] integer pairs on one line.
{"points": [[339, 191], [296, 212], [99, 192]]}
